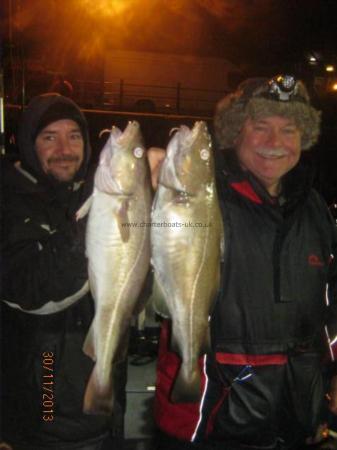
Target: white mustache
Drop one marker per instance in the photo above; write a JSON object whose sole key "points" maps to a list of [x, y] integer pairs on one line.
{"points": [[272, 152]]}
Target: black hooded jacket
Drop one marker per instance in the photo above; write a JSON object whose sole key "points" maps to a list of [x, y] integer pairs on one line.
{"points": [[273, 323], [43, 244], [279, 266], [47, 308]]}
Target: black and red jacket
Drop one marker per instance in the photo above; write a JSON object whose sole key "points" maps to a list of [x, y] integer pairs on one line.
{"points": [[279, 277], [278, 288]]}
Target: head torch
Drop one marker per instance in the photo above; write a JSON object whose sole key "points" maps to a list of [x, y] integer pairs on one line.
{"points": [[283, 88]]}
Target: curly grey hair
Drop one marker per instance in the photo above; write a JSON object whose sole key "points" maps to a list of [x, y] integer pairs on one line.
{"points": [[251, 100]]}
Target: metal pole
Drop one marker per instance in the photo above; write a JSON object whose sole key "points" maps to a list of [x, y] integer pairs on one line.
{"points": [[2, 98], [13, 91], [22, 61], [2, 114], [23, 87]]}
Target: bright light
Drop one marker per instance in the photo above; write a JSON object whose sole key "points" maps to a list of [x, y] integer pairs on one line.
{"points": [[106, 7], [329, 68], [312, 60], [334, 87]]}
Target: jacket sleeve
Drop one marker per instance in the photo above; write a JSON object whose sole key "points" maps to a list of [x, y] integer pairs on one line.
{"points": [[40, 263]]}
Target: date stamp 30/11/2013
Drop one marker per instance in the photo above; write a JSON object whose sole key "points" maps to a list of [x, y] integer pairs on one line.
{"points": [[48, 386]]}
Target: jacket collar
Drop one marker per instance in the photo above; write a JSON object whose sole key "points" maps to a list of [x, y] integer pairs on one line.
{"points": [[296, 184]]}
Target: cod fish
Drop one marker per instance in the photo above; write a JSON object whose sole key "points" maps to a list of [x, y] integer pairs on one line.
{"points": [[186, 239], [118, 257]]}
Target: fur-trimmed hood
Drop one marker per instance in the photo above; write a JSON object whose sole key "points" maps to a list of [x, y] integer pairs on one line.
{"points": [[260, 97]]}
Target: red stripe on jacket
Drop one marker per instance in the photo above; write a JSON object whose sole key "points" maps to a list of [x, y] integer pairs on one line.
{"points": [[253, 360]]}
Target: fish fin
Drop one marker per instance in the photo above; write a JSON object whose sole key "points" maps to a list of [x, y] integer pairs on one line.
{"points": [[84, 209], [123, 221], [158, 300], [88, 346], [98, 400], [187, 388]]}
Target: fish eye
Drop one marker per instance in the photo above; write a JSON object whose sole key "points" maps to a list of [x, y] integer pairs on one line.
{"points": [[204, 154], [138, 152]]}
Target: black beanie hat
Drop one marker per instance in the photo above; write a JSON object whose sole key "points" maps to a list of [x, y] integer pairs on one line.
{"points": [[41, 111], [59, 111]]}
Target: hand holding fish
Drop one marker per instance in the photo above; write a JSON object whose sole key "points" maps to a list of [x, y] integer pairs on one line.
{"points": [[156, 156]]}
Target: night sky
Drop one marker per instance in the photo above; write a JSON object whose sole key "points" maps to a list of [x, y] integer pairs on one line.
{"points": [[257, 33], [260, 36]]}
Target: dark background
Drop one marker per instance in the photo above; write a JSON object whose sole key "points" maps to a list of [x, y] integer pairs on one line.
{"points": [[261, 37]]}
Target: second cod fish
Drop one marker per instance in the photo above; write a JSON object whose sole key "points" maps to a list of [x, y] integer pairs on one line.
{"points": [[118, 255], [186, 238]]}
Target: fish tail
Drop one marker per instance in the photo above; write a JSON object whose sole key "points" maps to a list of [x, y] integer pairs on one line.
{"points": [[187, 387], [89, 346], [98, 399]]}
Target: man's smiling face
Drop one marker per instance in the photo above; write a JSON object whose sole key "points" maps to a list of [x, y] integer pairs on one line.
{"points": [[269, 147], [60, 149]]}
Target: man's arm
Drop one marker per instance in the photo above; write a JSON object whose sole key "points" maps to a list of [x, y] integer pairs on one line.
{"points": [[156, 157], [41, 263]]}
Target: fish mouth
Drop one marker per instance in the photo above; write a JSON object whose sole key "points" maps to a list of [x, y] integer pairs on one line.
{"points": [[271, 153], [189, 135], [130, 134], [183, 152]]}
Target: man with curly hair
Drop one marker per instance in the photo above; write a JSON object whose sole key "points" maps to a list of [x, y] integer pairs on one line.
{"points": [[273, 323]]}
